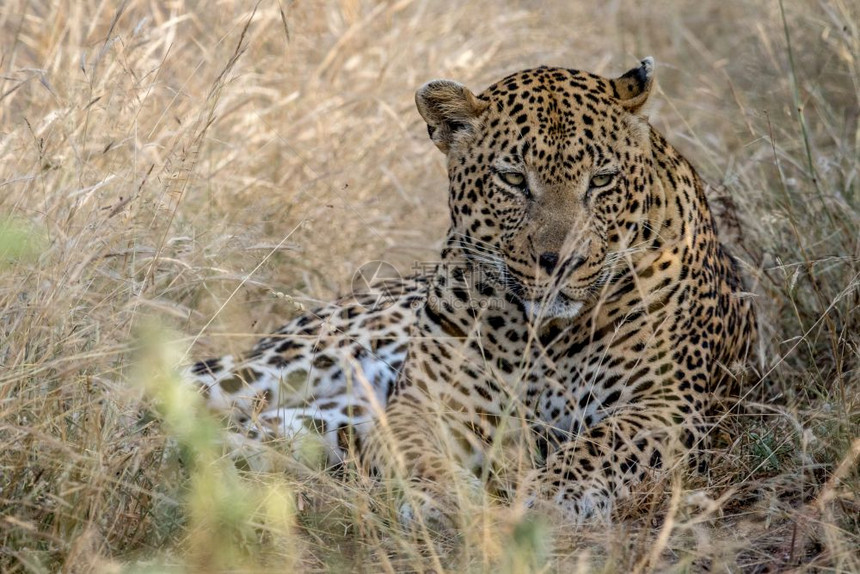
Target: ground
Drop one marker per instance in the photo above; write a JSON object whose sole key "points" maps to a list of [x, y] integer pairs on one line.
{"points": [[177, 179]]}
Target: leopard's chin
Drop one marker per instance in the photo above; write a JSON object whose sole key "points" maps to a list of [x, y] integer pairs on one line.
{"points": [[560, 307]]}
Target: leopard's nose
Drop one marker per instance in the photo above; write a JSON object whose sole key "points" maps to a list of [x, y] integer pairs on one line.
{"points": [[548, 261]]}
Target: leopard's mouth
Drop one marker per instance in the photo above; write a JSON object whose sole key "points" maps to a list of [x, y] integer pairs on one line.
{"points": [[546, 306], [559, 307]]}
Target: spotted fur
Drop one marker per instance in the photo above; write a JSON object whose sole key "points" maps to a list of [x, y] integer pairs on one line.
{"points": [[583, 310]]}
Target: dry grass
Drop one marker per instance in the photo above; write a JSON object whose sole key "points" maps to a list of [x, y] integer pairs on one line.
{"points": [[178, 165]]}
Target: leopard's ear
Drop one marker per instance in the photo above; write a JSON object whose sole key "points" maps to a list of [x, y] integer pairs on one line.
{"points": [[634, 87], [450, 110]]}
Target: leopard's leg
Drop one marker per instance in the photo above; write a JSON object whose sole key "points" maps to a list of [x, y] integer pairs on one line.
{"points": [[432, 455], [445, 420], [591, 472]]}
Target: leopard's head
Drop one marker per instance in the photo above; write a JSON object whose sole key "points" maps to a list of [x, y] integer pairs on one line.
{"points": [[550, 178]]}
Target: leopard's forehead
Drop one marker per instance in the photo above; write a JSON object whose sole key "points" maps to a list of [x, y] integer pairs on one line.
{"points": [[545, 88], [558, 114]]}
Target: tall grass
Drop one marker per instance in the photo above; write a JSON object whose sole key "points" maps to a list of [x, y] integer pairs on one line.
{"points": [[204, 167]]}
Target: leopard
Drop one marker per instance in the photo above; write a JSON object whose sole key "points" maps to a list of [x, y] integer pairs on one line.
{"points": [[583, 319]]}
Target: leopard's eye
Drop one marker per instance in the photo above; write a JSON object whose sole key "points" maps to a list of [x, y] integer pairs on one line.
{"points": [[513, 178], [602, 180]]}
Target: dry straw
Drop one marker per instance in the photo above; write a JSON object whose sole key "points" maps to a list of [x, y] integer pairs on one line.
{"points": [[167, 168]]}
